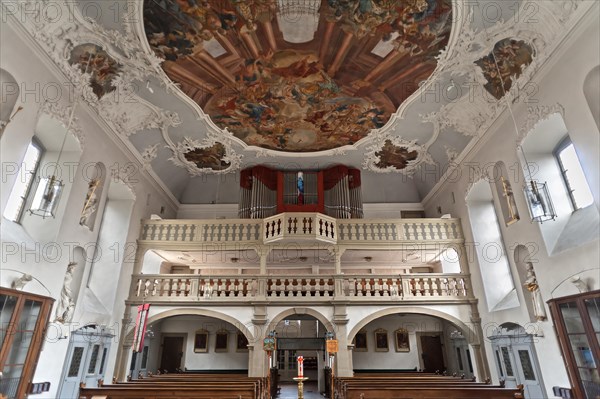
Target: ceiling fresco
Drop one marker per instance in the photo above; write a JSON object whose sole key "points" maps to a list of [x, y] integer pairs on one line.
{"points": [[511, 57], [237, 62], [103, 69], [209, 157], [395, 156], [208, 88]]}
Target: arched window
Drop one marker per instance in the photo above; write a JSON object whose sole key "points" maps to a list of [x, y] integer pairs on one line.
{"points": [[22, 187], [498, 283], [572, 174]]}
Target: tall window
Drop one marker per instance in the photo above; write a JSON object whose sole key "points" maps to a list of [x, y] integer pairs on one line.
{"points": [[22, 187], [573, 176]]}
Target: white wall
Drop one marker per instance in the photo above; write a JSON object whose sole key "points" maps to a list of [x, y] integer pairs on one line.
{"points": [[211, 360], [561, 81], [47, 261], [392, 359]]}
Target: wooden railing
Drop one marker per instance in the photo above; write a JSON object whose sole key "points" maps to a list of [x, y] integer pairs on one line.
{"points": [[301, 226], [194, 288]]}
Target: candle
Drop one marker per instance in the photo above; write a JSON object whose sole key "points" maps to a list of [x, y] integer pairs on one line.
{"points": [[300, 366]]}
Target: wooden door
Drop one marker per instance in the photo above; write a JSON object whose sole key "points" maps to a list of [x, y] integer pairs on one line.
{"points": [[171, 354], [432, 353]]}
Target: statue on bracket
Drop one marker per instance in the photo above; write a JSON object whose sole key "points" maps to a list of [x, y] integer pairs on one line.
{"points": [[66, 304], [536, 296], [90, 205]]}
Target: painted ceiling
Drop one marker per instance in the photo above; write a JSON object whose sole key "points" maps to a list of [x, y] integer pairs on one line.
{"points": [[198, 90], [277, 87]]}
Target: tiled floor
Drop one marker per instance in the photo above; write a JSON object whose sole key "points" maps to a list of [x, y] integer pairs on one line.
{"points": [[290, 391]]}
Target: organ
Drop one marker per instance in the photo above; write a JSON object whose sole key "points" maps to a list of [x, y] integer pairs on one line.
{"points": [[335, 191]]}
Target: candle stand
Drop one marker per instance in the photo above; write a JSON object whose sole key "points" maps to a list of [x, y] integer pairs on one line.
{"points": [[300, 381]]}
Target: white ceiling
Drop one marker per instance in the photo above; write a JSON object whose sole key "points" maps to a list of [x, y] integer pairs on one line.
{"points": [[491, 21]]}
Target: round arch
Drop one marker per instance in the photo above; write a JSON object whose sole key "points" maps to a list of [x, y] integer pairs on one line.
{"points": [[306, 311], [198, 312], [470, 334]]}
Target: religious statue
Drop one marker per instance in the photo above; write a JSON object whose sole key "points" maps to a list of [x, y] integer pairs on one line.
{"points": [[66, 305], [91, 203], [20, 283], [536, 296]]}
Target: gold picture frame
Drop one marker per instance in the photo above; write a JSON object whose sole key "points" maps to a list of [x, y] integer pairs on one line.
{"points": [[402, 340], [382, 343], [201, 341], [360, 342], [221, 341]]}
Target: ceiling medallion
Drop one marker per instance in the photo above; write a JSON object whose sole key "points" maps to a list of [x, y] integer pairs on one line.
{"points": [[505, 64], [394, 154], [207, 156], [260, 77], [101, 66]]}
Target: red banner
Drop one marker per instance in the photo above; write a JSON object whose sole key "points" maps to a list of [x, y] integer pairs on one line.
{"points": [[140, 327]]}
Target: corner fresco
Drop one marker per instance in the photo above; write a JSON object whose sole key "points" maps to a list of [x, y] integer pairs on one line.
{"points": [[210, 157], [512, 57], [102, 67], [395, 156], [283, 96]]}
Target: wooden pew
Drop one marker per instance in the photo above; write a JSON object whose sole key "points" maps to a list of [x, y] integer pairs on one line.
{"points": [[394, 392], [416, 387], [182, 386], [206, 392]]}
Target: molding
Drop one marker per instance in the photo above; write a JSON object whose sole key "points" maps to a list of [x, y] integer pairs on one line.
{"points": [[135, 30], [536, 115], [128, 150], [581, 19]]}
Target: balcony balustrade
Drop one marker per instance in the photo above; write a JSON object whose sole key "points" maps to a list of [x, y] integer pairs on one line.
{"points": [[196, 289], [301, 226]]}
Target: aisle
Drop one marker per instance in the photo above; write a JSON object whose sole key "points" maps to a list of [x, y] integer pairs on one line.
{"points": [[290, 391]]}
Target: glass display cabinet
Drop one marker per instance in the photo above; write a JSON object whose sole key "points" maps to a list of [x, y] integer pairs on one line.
{"points": [[577, 322], [23, 321]]}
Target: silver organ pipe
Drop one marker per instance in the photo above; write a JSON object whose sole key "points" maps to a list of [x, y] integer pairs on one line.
{"points": [[260, 189]]}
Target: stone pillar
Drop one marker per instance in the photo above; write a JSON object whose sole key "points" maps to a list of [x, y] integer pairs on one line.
{"points": [[124, 347], [343, 359], [263, 253], [257, 357], [140, 251], [483, 368], [257, 360], [338, 252]]}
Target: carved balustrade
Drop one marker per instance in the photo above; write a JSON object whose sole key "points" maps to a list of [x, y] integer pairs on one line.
{"points": [[320, 288], [301, 226]]}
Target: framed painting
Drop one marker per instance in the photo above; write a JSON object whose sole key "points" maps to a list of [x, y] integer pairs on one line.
{"points": [[201, 341], [381, 340], [360, 342], [242, 342], [402, 342], [221, 341]]}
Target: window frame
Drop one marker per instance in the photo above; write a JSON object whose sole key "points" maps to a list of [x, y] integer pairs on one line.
{"points": [[25, 197], [562, 145]]}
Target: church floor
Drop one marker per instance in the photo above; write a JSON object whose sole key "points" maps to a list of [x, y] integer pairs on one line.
{"points": [[290, 391]]}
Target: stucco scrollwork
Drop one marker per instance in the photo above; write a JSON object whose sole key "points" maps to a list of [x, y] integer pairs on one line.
{"points": [[535, 115], [63, 115]]}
